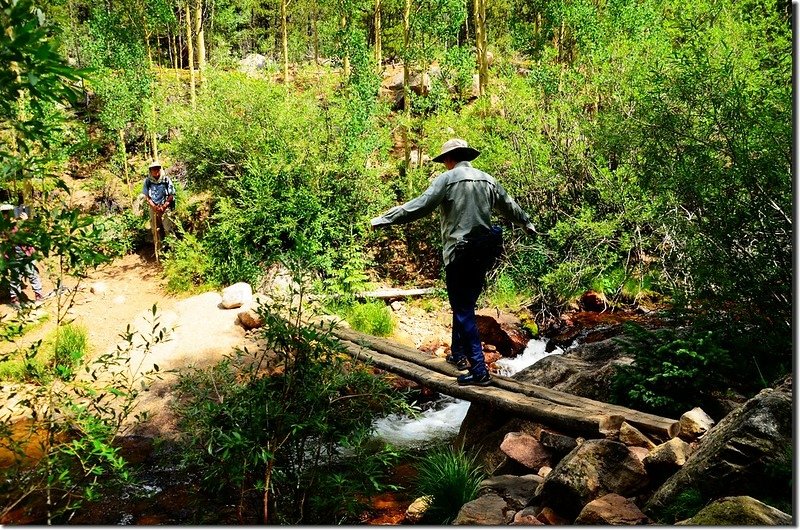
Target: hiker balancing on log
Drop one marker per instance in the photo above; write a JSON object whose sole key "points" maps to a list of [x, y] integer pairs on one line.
{"points": [[466, 198]]}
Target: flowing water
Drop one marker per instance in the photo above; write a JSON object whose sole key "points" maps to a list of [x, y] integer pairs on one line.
{"points": [[441, 419]]}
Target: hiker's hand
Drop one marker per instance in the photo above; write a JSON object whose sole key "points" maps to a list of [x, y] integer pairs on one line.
{"points": [[531, 230]]}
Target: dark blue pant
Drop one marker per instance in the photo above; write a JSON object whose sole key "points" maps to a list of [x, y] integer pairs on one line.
{"points": [[464, 282]]}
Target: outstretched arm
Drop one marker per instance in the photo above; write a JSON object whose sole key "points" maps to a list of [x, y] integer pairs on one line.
{"points": [[509, 209], [415, 208]]}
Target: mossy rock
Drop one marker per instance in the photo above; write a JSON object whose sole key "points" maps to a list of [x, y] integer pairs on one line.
{"points": [[738, 511]]}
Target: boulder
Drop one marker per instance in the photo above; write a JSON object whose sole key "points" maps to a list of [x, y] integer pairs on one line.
{"points": [[738, 511], [252, 63], [526, 450], [527, 517], [549, 516], [488, 509], [503, 330], [667, 457], [593, 301], [593, 469], [250, 319], [747, 453], [544, 471], [586, 370], [558, 444], [611, 509], [516, 490], [237, 295], [630, 435], [695, 424]]}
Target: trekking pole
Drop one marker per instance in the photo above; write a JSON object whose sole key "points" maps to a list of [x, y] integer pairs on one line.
{"points": [[154, 228]]}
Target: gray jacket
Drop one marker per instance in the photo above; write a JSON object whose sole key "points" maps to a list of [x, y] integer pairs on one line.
{"points": [[466, 197]]}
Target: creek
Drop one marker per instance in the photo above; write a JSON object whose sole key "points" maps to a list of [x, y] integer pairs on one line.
{"points": [[439, 420]]}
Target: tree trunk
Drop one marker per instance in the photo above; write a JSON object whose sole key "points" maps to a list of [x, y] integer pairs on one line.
{"points": [[378, 50], [190, 45], [201, 41], [346, 59], [123, 152], [480, 45], [314, 17], [406, 87], [285, 41]]}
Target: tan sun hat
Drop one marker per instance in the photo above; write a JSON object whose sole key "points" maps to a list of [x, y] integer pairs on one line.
{"points": [[155, 163], [458, 149]]}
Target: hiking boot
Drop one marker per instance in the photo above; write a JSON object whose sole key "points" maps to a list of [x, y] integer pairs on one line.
{"points": [[471, 379], [461, 364]]}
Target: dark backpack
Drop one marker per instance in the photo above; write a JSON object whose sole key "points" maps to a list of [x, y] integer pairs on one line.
{"points": [[481, 247]]}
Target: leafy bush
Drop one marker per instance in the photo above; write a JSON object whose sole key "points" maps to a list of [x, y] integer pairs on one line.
{"points": [[285, 419], [503, 292], [673, 371], [451, 479], [374, 318], [70, 345], [186, 264]]}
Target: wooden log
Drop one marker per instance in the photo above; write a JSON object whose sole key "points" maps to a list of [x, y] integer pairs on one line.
{"points": [[566, 418], [391, 294], [663, 428]]}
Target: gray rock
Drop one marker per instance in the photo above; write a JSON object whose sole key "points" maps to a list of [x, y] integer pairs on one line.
{"points": [[611, 509], [738, 511], [237, 295], [252, 63], [591, 470], [516, 490], [559, 444], [739, 456], [486, 510], [695, 424]]}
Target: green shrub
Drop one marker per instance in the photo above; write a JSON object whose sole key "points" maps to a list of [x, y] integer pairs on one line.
{"points": [[186, 264], [286, 420], [673, 370], [70, 345], [504, 292], [451, 479], [374, 318]]}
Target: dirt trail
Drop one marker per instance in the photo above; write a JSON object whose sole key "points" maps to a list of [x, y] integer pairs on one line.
{"points": [[200, 332]]}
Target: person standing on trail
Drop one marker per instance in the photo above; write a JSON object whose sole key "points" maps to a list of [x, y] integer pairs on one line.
{"points": [[159, 192], [466, 198], [22, 265]]}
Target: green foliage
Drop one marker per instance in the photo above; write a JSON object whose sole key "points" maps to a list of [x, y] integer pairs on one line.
{"points": [[451, 478], [374, 318], [70, 344], [120, 233], [686, 504], [186, 264], [285, 419], [503, 292], [673, 370]]}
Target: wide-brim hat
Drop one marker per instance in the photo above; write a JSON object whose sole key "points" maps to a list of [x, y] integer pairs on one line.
{"points": [[457, 149], [155, 163], [6, 207]]}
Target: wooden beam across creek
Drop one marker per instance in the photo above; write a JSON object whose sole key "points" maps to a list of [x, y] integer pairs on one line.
{"points": [[550, 407]]}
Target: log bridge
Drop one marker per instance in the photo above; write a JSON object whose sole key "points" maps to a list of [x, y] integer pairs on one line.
{"points": [[567, 412]]}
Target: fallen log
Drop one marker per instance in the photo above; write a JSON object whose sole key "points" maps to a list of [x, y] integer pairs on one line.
{"points": [[562, 417], [660, 427], [392, 294]]}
